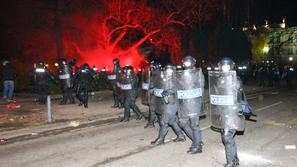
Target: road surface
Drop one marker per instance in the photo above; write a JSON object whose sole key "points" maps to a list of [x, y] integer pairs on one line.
{"points": [[269, 142]]}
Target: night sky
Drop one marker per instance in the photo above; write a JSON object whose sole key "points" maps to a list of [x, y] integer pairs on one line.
{"points": [[12, 14], [259, 10]]}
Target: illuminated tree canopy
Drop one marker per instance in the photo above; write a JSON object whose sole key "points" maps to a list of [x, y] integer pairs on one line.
{"points": [[98, 31], [260, 47]]}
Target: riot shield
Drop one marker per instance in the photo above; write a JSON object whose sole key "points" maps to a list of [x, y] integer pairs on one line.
{"points": [[120, 76], [224, 104], [190, 84], [111, 77], [66, 76], [164, 92], [145, 80]]}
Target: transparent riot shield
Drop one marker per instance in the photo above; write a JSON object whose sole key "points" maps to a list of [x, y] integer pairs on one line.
{"points": [[145, 81], [190, 84], [164, 92], [224, 104]]}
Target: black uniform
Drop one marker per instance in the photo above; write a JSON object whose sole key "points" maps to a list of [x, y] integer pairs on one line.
{"points": [[129, 86], [65, 75], [166, 103], [42, 78], [148, 93], [225, 93], [83, 78], [114, 78], [190, 87]]}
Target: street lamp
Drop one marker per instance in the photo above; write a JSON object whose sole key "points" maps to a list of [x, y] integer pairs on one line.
{"points": [[266, 24], [290, 58], [266, 49], [283, 24]]}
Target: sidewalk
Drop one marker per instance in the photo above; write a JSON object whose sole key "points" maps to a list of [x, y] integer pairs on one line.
{"points": [[31, 117]]}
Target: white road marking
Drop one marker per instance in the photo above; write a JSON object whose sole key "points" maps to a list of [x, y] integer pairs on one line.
{"points": [[252, 158], [266, 107], [290, 147]]}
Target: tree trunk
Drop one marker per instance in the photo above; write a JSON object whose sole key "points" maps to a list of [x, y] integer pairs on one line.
{"points": [[58, 30]]}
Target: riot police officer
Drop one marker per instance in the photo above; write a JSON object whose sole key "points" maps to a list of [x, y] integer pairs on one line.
{"points": [[42, 77], [225, 107], [190, 84], [83, 78], [129, 86], [65, 75], [147, 93], [114, 79], [166, 103]]}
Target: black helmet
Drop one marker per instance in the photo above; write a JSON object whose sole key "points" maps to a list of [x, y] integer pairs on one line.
{"points": [[116, 61], [169, 69], [189, 62], [85, 66], [128, 70], [5, 62], [63, 61], [226, 64], [41, 63], [72, 62], [155, 65]]}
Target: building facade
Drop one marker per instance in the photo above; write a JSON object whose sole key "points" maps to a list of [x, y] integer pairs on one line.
{"points": [[282, 44]]}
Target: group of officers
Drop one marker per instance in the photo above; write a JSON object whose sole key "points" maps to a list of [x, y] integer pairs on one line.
{"points": [[78, 81], [175, 98]]}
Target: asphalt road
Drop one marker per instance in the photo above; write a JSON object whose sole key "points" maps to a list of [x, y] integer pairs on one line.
{"points": [[269, 142]]}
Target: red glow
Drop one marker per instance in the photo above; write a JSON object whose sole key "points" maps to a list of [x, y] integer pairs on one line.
{"points": [[96, 32]]}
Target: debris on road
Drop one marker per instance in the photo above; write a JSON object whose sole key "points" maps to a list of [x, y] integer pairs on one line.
{"points": [[290, 147], [3, 140], [74, 123], [12, 105], [34, 133]]}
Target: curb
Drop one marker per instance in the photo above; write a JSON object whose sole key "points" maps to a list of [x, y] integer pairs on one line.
{"points": [[65, 126]]}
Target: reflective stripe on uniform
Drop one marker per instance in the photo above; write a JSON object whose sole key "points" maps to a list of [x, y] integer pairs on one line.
{"points": [[111, 77], [158, 92], [224, 100], [126, 86], [41, 70], [64, 76], [145, 86], [189, 94]]}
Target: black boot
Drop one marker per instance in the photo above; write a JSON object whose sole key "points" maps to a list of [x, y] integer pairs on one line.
{"points": [[194, 149], [120, 106], [180, 138], [137, 112], [233, 164], [139, 117], [158, 141], [162, 133], [62, 102], [86, 106], [115, 106], [149, 125], [125, 119]]}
